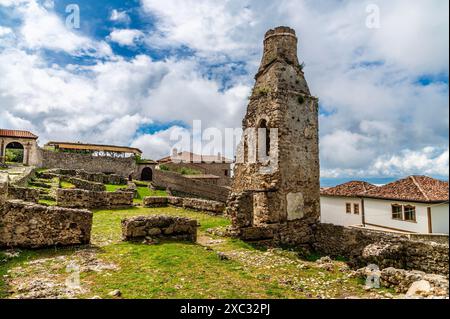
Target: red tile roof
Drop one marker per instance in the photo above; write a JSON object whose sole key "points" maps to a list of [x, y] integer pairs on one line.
{"points": [[412, 188], [349, 189], [17, 134]]}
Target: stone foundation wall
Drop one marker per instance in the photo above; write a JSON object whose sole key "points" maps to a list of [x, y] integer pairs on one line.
{"points": [[22, 179], [181, 184], [30, 225], [401, 280], [159, 226], [78, 198], [84, 184], [23, 193], [215, 208], [363, 246], [101, 178], [97, 164], [217, 169], [4, 181]]}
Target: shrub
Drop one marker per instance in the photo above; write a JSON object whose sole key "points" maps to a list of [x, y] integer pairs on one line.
{"points": [[164, 167]]}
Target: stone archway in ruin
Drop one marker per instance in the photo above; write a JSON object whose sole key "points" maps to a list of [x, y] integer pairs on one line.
{"points": [[147, 174], [15, 153]]}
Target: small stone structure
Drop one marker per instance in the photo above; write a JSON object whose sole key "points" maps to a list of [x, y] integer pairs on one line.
{"points": [[20, 140], [23, 193], [209, 206], [188, 187], [29, 225], [159, 226], [78, 198], [275, 191]]}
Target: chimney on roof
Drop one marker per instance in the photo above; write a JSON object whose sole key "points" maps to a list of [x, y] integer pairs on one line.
{"points": [[219, 157]]}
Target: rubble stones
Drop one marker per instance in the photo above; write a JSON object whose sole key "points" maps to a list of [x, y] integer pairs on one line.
{"points": [[159, 226]]}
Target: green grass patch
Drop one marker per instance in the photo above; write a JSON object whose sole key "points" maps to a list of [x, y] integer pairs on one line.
{"points": [[67, 185], [186, 270], [47, 202], [113, 188]]}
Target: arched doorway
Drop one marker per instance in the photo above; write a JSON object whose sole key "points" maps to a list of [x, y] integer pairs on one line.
{"points": [[147, 174], [14, 153]]}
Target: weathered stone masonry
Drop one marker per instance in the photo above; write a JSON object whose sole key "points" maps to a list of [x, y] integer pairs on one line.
{"points": [[209, 206], [278, 199], [159, 226], [78, 198], [363, 246], [29, 225], [191, 188], [99, 164], [23, 193]]}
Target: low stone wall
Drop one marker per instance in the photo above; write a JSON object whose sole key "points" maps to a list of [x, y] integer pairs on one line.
{"points": [[112, 179], [101, 178], [84, 184], [97, 164], [30, 225], [363, 246], [217, 208], [196, 188], [213, 207], [23, 193], [405, 281], [437, 238], [22, 179], [401, 280], [78, 198], [159, 226], [4, 182]]}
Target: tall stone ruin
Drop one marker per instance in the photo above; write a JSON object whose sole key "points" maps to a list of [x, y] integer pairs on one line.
{"points": [[275, 191]]}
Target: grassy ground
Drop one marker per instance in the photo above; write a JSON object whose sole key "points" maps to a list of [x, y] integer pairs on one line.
{"points": [[174, 269], [142, 191]]}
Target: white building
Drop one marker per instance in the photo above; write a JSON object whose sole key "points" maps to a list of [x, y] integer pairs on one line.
{"points": [[416, 204]]}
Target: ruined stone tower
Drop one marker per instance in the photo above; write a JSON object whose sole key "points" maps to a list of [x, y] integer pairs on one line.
{"points": [[275, 191]]}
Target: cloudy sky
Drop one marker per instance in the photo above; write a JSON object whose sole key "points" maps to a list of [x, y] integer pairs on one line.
{"points": [[137, 72]]}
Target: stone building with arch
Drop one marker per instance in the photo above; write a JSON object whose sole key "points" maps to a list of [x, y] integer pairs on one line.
{"points": [[19, 140]]}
